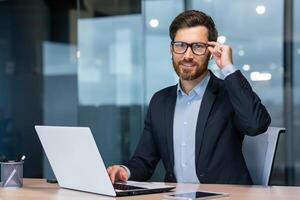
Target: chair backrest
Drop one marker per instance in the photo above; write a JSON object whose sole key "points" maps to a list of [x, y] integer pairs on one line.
{"points": [[259, 152]]}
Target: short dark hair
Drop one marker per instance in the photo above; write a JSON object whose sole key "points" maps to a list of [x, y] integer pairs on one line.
{"points": [[192, 18]]}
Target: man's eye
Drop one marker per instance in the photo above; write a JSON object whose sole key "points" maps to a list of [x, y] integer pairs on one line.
{"points": [[180, 45], [198, 46]]}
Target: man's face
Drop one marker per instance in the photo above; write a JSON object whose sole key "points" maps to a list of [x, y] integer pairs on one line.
{"points": [[190, 66]]}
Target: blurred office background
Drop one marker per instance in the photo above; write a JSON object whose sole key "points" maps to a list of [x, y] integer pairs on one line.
{"points": [[97, 63]]}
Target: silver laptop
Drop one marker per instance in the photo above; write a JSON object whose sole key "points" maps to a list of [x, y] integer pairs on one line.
{"points": [[77, 163]]}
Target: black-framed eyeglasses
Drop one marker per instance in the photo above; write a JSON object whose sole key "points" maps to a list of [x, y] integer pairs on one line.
{"points": [[198, 48]]}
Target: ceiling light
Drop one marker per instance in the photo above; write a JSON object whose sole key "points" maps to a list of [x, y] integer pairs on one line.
{"points": [[154, 23], [246, 67], [78, 54], [260, 9], [241, 52], [221, 39], [258, 76]]}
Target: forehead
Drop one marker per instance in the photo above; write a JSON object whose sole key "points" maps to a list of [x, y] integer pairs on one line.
{"points": [[193, 34]]}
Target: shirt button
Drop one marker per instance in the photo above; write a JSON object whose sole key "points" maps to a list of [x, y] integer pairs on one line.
{"points": [[188, 103], [185, 123]]}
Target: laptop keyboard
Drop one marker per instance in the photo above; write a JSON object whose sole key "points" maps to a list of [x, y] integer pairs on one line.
{"points": [[118, 186]]}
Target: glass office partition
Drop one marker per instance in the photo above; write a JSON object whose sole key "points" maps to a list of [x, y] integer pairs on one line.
{"points": [[296, 89], [159, 73], [110, 82], [37, 76]]}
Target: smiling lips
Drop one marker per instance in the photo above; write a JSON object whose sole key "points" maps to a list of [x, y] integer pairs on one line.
{"points": [[187, 66]]}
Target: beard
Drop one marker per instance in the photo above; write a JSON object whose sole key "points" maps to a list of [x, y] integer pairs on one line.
{"points": [[190, 74]]}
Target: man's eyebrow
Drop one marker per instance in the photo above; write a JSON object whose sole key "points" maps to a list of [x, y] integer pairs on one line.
{"points": [[205, 43], [199, 42], [191, 42]]}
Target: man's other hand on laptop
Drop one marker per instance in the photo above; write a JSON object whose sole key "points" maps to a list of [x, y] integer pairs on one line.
{"points": [[117, 173]]}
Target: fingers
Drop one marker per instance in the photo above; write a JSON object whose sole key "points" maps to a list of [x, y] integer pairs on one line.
{"points": [[123, 175], [117, 173], [216, 53], [221, 53], [218, 46], [215, 48], [112, 172], [109, 169], [213, 43]]}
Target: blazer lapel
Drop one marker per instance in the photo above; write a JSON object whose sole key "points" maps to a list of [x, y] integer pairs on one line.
{"points": [[206, 105], [169, 120]]}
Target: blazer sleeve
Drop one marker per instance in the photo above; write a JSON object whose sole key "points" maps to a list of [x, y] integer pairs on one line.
{"points": [[146, 156], [251, 117]]}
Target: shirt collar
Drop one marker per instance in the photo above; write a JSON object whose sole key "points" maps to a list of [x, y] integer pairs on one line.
{"points": [[199, 89]]}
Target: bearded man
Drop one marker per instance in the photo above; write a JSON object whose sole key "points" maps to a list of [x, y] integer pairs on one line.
{"points": [[197, 126]]}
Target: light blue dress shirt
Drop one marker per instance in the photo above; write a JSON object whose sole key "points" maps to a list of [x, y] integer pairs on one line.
{"points": [[184, 128], [184, 131]]}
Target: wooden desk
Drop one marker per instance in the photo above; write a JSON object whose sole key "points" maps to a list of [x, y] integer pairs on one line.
{"points": [[39, 189]]}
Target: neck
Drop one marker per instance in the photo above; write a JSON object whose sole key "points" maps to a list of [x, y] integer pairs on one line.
{"points": [[188, 85]]}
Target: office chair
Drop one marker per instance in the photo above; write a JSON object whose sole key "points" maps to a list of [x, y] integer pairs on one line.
{"points": [[259, 152]]}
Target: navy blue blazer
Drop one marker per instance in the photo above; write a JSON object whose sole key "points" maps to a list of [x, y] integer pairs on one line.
{"points": [[229, 110]]}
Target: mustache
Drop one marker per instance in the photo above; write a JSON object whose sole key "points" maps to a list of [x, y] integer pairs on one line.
{"points": [[187, 62]]}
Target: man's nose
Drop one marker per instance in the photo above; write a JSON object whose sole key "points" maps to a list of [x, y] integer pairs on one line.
{"points": [[189, 54]]}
